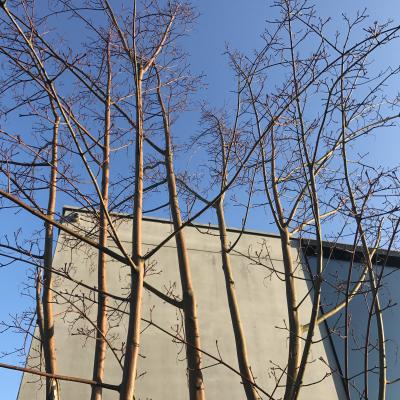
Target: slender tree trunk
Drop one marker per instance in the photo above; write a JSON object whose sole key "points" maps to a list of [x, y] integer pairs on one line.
{"points": [[39, 306], [241, 347], [101, 344], [290, 284], [133, 337], [49, 347], [378, 316], [316, 279], [367, 256], [293, 315], [192, 330], [295, 328]]}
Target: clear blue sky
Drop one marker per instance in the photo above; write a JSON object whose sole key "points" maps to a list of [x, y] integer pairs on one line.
{"points": [[238, 23]]}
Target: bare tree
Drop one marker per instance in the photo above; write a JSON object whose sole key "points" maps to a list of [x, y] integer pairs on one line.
{"points": [[189, 306], [101, 109]]}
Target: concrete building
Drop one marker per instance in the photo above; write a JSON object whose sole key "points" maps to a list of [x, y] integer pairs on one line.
{"points": [[257, 260]]}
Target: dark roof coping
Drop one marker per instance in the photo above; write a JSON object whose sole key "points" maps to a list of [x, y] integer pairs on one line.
{"points": [[331, 250]]}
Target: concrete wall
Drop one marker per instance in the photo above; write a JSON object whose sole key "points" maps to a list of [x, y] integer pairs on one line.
{"points": [[358, 319], [162, 369]]}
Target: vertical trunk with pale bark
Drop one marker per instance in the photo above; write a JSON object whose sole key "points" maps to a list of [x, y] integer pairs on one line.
{"points": [[294, 327], [192, 330], [137, 277], [48, 339], [101, 344], [367, 256], [241, 346], [191, 323], [293, 315]]}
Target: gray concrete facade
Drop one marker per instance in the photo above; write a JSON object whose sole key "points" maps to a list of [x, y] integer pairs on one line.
{"points": [[162, 367]]}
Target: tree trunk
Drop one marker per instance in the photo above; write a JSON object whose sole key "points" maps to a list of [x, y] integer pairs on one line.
{"points": [[101, 344], [293, 316], [192, 330], [133, 337], [49, 347], [241, 347]]}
